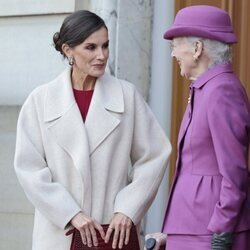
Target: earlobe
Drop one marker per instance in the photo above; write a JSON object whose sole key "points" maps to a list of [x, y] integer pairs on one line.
{"points": [[68, 53], [195, 58]]}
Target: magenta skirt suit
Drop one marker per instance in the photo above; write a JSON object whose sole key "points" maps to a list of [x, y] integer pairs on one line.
{"points": [[211, 188]]}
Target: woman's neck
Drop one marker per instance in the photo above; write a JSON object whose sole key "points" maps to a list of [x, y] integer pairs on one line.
{"points": [[82, 81], [201, 68]]}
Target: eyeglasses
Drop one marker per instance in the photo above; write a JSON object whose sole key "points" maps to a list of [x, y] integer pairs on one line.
{"points": [[176, 44], [172, 46]]}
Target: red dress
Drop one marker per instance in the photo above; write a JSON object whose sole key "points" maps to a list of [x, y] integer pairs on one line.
{"points": [[83, 99]]}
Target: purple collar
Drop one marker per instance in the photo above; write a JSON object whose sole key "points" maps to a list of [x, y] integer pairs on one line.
{"points": [[211, 73]]}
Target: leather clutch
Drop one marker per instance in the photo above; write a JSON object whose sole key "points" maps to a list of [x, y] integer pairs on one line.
{"points": [[76, 243]]}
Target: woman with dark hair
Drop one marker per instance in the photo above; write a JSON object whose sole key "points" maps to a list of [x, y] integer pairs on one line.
{"points": [[89, 150]]}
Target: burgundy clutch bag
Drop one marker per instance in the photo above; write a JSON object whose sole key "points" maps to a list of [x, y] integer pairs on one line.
{"points": [[76, 243]]}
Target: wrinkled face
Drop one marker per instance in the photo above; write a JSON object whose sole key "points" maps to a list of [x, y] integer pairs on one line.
{"points": [[183, 51], [90, 57]]}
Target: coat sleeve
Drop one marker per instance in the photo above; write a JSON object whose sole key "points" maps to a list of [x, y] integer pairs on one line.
{"points": [[34, 174], [229, 122], [150, 151]]}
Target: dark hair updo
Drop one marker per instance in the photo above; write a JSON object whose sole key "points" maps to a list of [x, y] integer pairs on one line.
{"points": [[77, 27]]}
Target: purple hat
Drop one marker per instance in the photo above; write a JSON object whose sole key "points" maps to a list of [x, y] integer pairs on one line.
{"points": [[202, 21]]}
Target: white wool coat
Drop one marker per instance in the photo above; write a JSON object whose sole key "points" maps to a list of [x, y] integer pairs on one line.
{"points": [[114, 162]]}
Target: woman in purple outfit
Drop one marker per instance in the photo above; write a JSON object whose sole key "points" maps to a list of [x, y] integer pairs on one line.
{"points": [[209, 204]]}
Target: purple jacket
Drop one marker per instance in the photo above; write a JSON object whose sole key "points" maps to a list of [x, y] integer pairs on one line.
{"points": [[211, 188]]}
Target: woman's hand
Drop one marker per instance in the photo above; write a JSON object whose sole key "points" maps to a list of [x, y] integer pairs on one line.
{"points": [[86, 225], [121, 225]]}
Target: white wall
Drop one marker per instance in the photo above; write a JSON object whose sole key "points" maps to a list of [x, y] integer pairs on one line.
{"points": [[161, 97], [129, 24], [31, 7], [28, 57]]}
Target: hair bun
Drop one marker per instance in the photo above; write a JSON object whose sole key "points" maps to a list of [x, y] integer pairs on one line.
{"points": [[57, 42]]}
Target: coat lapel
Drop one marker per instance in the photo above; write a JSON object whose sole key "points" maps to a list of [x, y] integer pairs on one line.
{"points": [[65, 123], [202, 80], [101, 120], [186, 118]]}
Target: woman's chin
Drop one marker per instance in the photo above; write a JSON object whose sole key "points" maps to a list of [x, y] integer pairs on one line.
{"points": [[185, 74], [98, 73]]}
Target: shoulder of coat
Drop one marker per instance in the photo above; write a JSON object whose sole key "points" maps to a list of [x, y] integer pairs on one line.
{"points": [[39, 93], [124, 83]]}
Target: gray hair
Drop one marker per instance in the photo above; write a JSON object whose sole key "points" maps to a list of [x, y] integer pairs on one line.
{"points": [[218, 52]]}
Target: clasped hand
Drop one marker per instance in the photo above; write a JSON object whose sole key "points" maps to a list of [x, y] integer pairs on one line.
{"points": [[120, 226]]}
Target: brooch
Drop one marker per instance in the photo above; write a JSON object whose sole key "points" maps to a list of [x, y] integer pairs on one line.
{"points": [[189, 98]]}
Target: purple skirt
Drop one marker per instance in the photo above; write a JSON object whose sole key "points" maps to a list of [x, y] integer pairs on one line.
{"points": [[198, 242]]}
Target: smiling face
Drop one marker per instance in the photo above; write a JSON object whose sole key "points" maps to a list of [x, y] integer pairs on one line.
{"points": [[183, 51], [90, 57]]}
